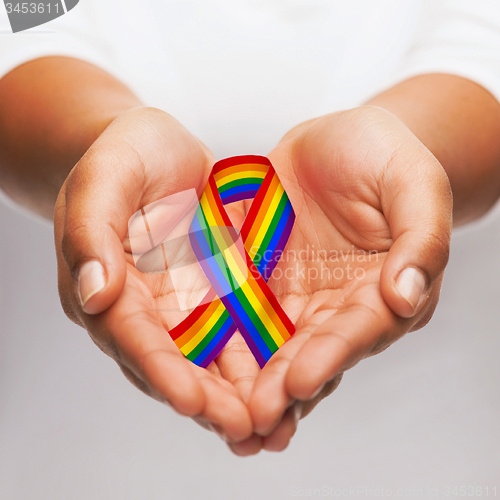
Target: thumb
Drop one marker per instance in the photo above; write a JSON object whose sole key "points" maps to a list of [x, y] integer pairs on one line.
{"points": [[417, 202], [90, 236], [142, 156]]}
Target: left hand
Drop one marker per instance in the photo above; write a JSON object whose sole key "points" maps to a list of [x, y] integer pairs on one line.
{"points": [[363, 186], [143, 155]]}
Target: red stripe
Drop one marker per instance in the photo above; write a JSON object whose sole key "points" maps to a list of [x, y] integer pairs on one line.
{"points": [[287, 323], [195, 315], [218, 201], [239, 160], [256, 204]]}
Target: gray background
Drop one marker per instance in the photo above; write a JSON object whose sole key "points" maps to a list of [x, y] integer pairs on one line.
{"points": [[423, 414]]}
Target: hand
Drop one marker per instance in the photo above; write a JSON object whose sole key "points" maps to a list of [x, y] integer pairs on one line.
{"points": [[362, 186], [144, 155]]}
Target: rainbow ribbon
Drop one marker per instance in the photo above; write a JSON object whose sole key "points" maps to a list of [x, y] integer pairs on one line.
{"points": [[240, 297]]}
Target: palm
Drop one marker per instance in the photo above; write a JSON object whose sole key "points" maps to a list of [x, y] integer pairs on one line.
{"points": [[332, 260], [343, 174], [340, 237], [148, 156], [334, 248]]}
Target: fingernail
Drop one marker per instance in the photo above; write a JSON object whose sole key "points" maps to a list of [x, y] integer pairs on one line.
{"points": [[91, 280], [411, 285], [297, 411], [317, 391], [218, 430]]}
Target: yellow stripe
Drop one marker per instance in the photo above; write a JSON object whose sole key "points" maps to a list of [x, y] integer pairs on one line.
{"points": [[262, 313], [230, 253], [269, 217], [209, 213], [193, 329], [239, 175], [264, 302], [204, 330], [234, 260], [236, 264], [250, 245], [257, 167]]}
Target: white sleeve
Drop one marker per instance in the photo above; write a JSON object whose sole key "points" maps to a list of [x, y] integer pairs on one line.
{"points": [[460, 37], [75, 34]]}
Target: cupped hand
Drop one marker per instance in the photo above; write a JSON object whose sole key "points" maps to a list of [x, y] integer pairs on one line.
{"points": [[143, 156], [365, 259], [371, 202]]}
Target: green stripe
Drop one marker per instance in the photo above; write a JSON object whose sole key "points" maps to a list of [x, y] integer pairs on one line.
{"points": [[221, 263], [240, 182], [217, 254], [231, 279], [207, 233], [202, 220], [255, 319], [271, 229], [208, 337]]}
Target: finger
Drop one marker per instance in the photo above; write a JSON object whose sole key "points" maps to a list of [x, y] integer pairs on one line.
{"points": [[358, 329], [238, 366], [230, 424], [247, 447], [227, 413], [141, 344], [328, 388], [132, 164], [416, 200], [270, 399], [280, 438], [131, 332]]}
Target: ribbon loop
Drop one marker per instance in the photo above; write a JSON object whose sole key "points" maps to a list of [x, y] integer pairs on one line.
{"points": [[240, 297]]}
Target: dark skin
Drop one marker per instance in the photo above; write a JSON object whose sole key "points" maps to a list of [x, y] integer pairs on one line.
{"points": [[374, 178]]}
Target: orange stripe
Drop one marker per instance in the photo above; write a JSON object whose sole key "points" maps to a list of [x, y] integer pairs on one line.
{"points": [[263, 209], [213, 206], [266, 305], [256, 167], [193, 330]]}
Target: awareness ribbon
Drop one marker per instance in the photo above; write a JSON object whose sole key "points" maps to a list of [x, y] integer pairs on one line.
{"points": [[240, 297]]}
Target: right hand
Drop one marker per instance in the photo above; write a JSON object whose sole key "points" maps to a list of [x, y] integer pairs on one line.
{"points": [[362, 186], [144, 155]]}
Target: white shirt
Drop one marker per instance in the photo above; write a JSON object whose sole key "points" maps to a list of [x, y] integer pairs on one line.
{"points": [[239, 74]]}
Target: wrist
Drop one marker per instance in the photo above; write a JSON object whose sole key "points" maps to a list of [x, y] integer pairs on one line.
{"points": [[459, 122], [51, 110]]}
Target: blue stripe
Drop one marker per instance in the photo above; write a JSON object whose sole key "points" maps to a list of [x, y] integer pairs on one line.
{"points": [[269, 251], [209, 347], [245, 324], [250, 191], [202, 235], [216, 275], [219, 270]]}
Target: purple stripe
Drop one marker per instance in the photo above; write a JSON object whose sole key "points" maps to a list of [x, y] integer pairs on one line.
{"points": [[244, 332], [247, 195], [279, 247], [220, 345], [210, 271]]}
